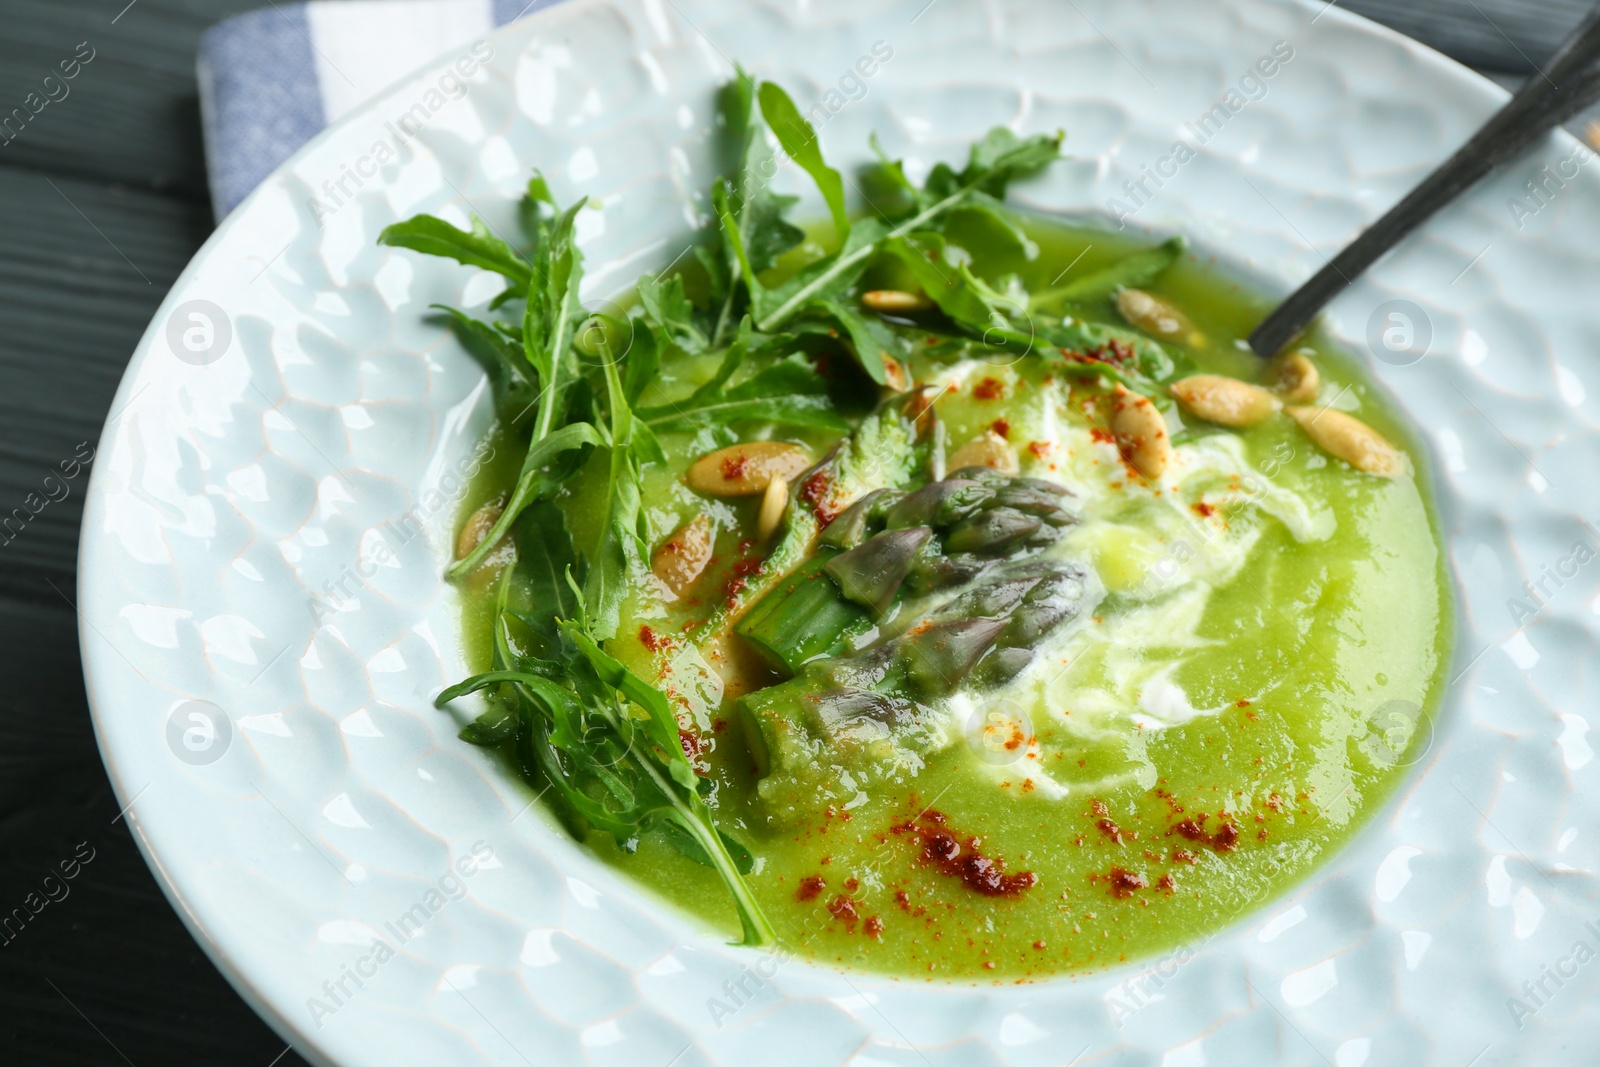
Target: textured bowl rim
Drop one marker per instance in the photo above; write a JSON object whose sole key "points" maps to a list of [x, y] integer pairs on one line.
{"points": [[217, 943]]}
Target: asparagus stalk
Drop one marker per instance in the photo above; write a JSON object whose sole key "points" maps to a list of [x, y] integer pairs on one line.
{"points": [[909, 598], [890, 547], [869, 701], [802, 617]]}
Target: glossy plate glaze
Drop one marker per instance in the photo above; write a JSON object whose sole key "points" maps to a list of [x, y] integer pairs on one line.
{"points": [[264, 622]]}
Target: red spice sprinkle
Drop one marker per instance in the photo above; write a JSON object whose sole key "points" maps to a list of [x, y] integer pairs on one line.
{"points": [[816, 492], [955, 859], [718, 725], [1001, 427], [652, 640], [989, 389], [690, 743], [1125, 883], [734, 466], [1101, 435], [811, 888], [1111, 830], [851, 885], [1040, 449], [1204, 510], [1182, 855], [1038, 944], [1172, 802], [1226, 839], [1167, 882], [739, 577], [1242, 704], [844, 909], [873, 926]]}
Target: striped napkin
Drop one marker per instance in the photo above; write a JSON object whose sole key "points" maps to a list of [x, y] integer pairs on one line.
{"points": [[272, 79]]}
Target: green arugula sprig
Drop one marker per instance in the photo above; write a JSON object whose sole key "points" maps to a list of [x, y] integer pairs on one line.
{"points": [[576, 384], [604, 740]]}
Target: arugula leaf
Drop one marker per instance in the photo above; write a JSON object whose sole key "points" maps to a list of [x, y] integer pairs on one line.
{"points": [[659, 723], [670, 309], [623, 534], [994, 162], [494, 727], [641, 363], [759, 210], [746, 205], [888, 189], [736, 106], [689, 846], [551, 313], [997, 229], [998, 159], [1138, 269], [578, 748], [685, 808], [789, 393], [769, 234], [950, 285], [544, 468], [733, 237], [827, 278], [799, 140], [480, 248], [871, 338], [515, 389], [536, 589]]}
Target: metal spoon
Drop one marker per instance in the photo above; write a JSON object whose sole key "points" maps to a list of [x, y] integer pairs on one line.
{"points": [[1571, 84]]}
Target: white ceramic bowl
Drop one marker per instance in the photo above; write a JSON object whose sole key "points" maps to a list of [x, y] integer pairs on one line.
{"points": [[246, 547]]}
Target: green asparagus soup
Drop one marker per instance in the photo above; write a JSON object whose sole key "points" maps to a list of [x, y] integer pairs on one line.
{"points": [[946, 593]]}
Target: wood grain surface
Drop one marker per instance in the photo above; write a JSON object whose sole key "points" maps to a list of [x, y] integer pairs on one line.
{"points": [[102, 202]]}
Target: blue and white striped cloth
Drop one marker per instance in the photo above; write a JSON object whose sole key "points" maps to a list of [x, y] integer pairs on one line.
{"points": [[272, 79]]}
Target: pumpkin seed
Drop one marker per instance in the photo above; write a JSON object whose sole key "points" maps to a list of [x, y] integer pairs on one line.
{"points": [[988, 449], [773, 504], [1141, 434], [895, 375], [1297, 379], [477, 527], [895, 302], [1153, 315], [747, 469], [1224, 401], [1348, 438], [683, 556]]}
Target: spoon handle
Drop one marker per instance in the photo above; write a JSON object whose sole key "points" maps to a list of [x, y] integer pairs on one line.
{"points": [[1571, 84]]}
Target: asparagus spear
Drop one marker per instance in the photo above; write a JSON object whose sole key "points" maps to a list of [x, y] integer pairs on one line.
{"points": [[876, 704], [910, 598], [890, 548]]}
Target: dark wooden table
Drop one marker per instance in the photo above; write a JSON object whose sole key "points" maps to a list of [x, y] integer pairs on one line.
{"points": [[102, 201]]}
